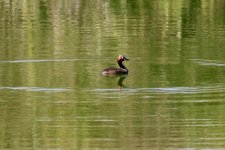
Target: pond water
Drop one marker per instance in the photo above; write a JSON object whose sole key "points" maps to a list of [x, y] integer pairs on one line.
{"points": [[52, 95]]}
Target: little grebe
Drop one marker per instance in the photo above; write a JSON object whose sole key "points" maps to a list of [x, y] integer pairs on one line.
{"points": [[121, 70]]}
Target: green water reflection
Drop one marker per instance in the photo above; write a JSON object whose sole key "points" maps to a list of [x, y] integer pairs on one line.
{"points": [[52, 95]]}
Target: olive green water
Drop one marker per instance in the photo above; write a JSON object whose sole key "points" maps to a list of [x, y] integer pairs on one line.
{"points": [[52, 95]]}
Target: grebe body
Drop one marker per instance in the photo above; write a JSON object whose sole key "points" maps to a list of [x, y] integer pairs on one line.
{"points": [[116, 71]]}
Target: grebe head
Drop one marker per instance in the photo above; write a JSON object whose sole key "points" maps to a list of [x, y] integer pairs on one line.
{"points": [[121, 58]]}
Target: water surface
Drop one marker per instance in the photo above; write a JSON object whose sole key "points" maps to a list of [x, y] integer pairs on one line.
{"points": [[52, 95]]}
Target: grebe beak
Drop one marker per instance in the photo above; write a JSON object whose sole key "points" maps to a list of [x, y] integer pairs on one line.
{"points": [[125, 58]]}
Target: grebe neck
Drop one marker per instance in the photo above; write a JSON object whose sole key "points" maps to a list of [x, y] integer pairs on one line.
{"points": [[121, 65]]}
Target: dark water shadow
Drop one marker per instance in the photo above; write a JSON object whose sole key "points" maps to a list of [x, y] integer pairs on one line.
{"points": [[120, 84], [120, 80]]}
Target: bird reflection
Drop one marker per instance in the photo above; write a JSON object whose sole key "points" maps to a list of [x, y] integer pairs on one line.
{"points": [[120, 84]]}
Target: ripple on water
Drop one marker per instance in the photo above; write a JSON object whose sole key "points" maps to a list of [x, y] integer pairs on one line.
{"points": [[40, 60], [205, 62], [36, 89], [152, 92]]}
